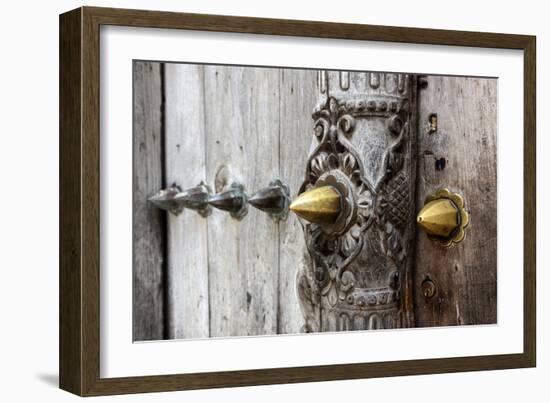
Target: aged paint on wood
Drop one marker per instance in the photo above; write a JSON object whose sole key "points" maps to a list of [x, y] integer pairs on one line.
{"points": [[460, 155], [148, 222]]}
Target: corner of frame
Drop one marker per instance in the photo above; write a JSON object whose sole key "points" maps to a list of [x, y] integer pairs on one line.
{"points": [[70, 313]]}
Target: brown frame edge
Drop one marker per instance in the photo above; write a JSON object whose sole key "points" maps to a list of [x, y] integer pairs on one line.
{"points": [[79, 201]]}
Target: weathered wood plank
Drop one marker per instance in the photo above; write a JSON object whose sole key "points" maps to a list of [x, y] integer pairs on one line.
{"points": [[465, 275], [242, 124], [299, 93], [148, 278], [185, 159]]}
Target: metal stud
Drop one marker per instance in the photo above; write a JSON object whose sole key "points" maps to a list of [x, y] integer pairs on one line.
{"points": [[164, 200], [196, 199], [444, 218], [174, 200], [274, 200], [232, 200], [320, 205]]}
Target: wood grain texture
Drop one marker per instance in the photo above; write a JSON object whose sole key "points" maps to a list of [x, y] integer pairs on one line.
{"points": [[466, 143], [187, 269], [189, 309], [317, 373], [148, 221], [530, 201], [70, 275], [90, 202], [317, 29], [298, 95], [242, 127], [79, 272]]}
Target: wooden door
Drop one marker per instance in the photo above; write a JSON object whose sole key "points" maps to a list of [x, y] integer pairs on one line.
{"points": [[461, 154], [217, 276]]}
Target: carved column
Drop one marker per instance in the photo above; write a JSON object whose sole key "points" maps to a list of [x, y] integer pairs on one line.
{"points": [[364, 139]]}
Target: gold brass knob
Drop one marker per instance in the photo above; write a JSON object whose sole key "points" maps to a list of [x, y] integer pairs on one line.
{"points": [[444, 218], [438, 217], [320, 205]]}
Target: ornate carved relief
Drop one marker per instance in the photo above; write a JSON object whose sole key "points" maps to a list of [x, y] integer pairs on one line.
{"points": [[364, 129]]}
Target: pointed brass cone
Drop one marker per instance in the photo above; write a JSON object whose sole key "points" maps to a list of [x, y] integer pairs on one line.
{"points": [[439, 217], [320, 205]]}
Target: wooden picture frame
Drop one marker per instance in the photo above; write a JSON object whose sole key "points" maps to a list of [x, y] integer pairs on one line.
{"points": [[79, 201]]}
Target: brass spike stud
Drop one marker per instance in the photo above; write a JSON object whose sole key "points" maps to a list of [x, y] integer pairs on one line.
{"points": [[232, 200], [444, 218], [320, 205], [273, 199], [438, 217]]}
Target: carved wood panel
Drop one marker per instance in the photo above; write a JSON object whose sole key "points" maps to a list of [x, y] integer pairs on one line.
{"points": [[365, 134]]}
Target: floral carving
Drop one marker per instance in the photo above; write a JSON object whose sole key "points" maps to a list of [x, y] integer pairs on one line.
{"points": [[356, 262]]}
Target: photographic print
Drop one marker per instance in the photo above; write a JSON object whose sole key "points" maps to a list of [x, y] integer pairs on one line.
{"points": [[273, 200], [233, 201]]}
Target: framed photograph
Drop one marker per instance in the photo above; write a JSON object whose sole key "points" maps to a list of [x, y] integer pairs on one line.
{"points": [[249, 201]]}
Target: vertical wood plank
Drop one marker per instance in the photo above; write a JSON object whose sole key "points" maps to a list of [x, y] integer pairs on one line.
{"points": [[465, 275], [242, 124], [187, 267], [299, 93], [148, 280]]}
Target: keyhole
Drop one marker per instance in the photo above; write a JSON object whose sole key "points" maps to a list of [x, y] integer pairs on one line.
{"points": [[428, 288], [440, 164]]}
